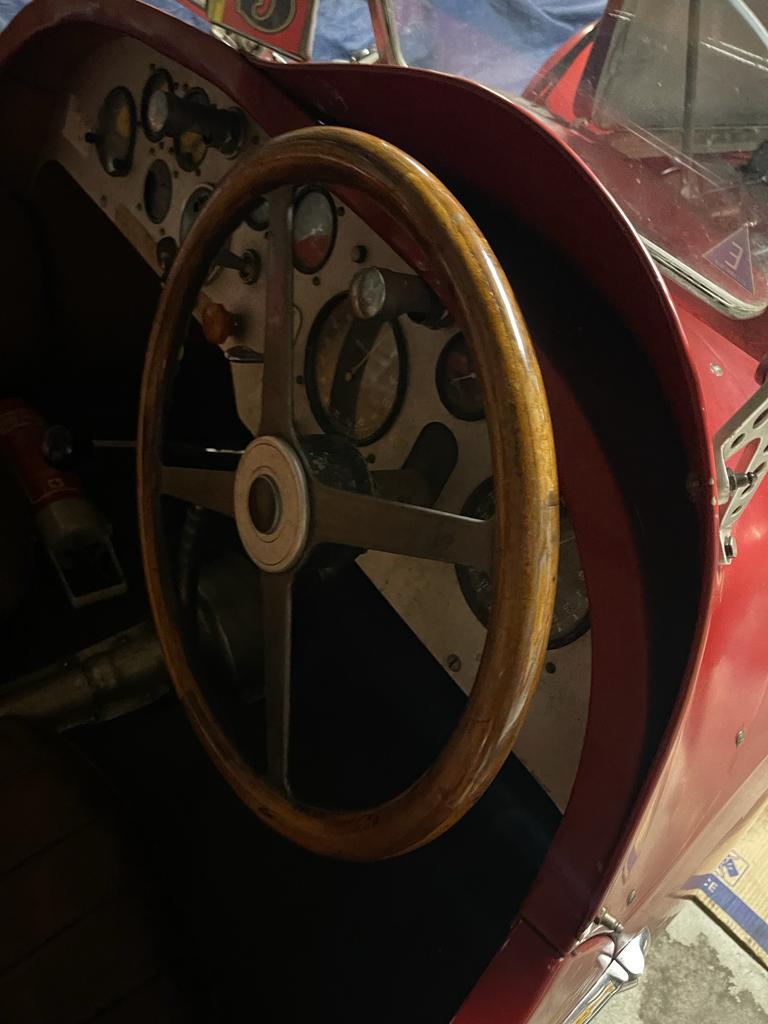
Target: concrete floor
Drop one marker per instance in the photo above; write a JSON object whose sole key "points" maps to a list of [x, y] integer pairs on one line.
{"points": [[696, 974]]}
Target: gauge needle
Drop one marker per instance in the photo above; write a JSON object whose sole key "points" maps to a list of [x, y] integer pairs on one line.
{"points": [[358, 366], [467, 376]]}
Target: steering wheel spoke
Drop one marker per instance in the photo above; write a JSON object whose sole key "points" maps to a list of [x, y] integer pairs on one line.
{"points": [[209, 488], [277, 602], [377, 524], [277, 387]]}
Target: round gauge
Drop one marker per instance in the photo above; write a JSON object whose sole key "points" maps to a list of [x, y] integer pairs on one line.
{"points": [[190, 147], [314, 230], [571, 617], [476, 584], [192, 209], [116, 132], [571, 614], [457, 381], [158, 190], [258, 218], [165, 254], [355, 373], [159, 81]]}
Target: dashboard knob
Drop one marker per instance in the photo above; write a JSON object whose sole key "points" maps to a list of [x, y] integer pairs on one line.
{"points": [[170, 115], [376, 292], [218, 323]]}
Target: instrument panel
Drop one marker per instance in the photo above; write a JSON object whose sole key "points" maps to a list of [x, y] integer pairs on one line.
{"points": [[149, 142]]}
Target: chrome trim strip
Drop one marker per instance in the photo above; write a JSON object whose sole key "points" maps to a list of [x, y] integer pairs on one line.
{"points": [[385, 32], [621, 971], [702, 286]]}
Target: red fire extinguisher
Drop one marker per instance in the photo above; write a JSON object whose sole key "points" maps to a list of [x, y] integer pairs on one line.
{"points": [[75, 533]]}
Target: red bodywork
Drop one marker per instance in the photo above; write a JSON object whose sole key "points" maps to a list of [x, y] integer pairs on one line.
{"points": [[629, 829]]}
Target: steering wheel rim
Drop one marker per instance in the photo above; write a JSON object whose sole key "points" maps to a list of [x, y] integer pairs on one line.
{"points": [[521, 541]]}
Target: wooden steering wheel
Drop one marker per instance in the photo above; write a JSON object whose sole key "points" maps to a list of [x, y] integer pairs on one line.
{"points": [[519, 545]]}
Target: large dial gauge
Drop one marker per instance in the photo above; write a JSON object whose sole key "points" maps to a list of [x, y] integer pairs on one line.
{"points": [[115, 134], [355, 373], [571, 614]]}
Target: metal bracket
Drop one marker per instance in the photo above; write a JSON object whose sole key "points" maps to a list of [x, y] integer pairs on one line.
{"points": [[747, 427], [621, 970], [385, 32]]}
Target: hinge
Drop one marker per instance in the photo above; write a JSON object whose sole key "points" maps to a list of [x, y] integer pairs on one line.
{"points": [[621, 969], [746, 428]]}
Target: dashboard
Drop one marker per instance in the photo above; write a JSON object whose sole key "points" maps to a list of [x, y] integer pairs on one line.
{"points": [[148, 142]]}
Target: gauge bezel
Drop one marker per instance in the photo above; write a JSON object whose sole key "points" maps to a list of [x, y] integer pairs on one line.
{"points": [[152, 170], [195, 95], [205, 187], [105, 162], [299, 197], [469, 592], [323, 418], [453, 342], [582, 626], [150, 88]]}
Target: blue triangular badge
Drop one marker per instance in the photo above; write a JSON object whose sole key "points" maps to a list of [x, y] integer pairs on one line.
{"points": [[734, 257]]}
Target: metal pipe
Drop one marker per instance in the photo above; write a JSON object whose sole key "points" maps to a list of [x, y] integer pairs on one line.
{"points": [[385, 32], [689, 99], [118, 675]]}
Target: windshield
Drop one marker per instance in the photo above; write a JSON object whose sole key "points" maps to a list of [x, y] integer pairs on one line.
{"points": [[669, 102]]}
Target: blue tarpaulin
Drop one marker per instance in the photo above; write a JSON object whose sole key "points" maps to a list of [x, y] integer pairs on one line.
{"points": [[504, 45]]}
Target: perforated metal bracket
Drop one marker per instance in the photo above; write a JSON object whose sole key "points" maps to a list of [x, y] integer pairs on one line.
{"points": [[748, 427]]}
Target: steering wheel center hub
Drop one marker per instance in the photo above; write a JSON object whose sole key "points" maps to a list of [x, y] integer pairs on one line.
{"points": [[272, 504]]}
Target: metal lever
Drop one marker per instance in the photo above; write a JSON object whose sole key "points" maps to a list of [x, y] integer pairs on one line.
{"points": [[170, 115], [379, 293]]}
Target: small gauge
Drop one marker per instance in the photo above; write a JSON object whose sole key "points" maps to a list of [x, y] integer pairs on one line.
{"points": [[571, 617], [165, 254], [571, 614], [258, 218], [115, 135], [314, 230], [355, 372], [192, 209], [457, 381], [158, 190], [190, 146], [159, 81], [476, 584]]}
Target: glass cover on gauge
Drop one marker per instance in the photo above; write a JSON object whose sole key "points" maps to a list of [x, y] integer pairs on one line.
{"points": [[159, 81], [158, 190], [258, 218], [115, 134], [457, 382], [355, 373], [192, 209], [571, 615], [190, 146], [314, 230]]}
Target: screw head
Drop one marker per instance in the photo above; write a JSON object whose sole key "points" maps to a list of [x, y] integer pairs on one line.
{"points": [[632, 897], [453, 662], [359, 254], [740, 737], [717, 369]]}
